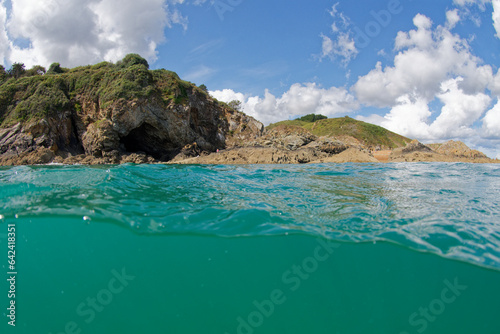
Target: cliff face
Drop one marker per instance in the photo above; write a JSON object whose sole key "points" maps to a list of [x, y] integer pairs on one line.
{"points": [[111, 114]]}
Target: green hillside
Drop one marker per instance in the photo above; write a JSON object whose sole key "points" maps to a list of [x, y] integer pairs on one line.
{"points": [[366, 133], [37, 93]]}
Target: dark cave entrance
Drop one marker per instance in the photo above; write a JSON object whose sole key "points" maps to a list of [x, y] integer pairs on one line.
{"points": [[147, 139]]}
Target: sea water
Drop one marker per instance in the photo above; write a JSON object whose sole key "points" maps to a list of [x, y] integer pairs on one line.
{"points": [[337, 249]]}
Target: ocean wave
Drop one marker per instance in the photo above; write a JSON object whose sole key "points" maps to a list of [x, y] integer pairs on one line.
{"points": [[448, 209]]}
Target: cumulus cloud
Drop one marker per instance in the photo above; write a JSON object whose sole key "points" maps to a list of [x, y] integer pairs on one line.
{"points": [[494, 85], [491, 122], [76, 32], [408, 117], [426, 59], [411, 115], [459, 112], [300, 99], [228, 95], [433, 65]]}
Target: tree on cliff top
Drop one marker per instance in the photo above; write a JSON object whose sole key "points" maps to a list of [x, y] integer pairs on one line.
{"points": [[132, 59], [55, 68], [235, 104], [203, 88], [17, 70], [35, 70], [311, 118]]}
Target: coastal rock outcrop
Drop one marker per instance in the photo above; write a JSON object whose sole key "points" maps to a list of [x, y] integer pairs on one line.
{"points": [[285, 145], [451, 151], [413, 146], [113, 114], [253, 155], [458, 149]]}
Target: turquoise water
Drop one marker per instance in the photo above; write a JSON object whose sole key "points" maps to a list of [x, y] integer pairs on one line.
{"points": [[354, 248]]}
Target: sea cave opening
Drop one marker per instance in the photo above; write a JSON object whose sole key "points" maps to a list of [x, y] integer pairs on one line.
{"points": [[147, 139]]}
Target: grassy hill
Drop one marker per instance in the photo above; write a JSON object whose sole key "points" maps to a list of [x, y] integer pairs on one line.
{"points": [[366, 133]]}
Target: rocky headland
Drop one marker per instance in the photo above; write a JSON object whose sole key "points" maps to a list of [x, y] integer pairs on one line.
{"points": [[125, 113], [112, 113], [283, 146]]}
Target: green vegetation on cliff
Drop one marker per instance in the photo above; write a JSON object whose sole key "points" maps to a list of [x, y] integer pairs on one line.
{"points": [[311, 118], [368, 134], [34, 94]]}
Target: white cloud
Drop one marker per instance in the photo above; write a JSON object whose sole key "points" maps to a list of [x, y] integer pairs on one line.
{"points": [[496, 16], [459, 112], [433, 65], [426, 59], [340, 17], [341, 45], [327, 46], [491, 122], [228, 95], [333, 12], [76, 32], [4, 40], [411, 115], [266, 110], [408, 117], [298, 100], [452, 18], [494, 85], [345, 47]]}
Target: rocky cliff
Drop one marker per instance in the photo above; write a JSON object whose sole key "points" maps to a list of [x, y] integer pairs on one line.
{"points": [[112, 113], [117, 113]]}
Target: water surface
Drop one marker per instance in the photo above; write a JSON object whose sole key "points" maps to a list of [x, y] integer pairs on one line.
{"points": [[353, 248]]}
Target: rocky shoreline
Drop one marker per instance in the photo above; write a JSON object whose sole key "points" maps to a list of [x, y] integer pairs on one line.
{"points": [[246, 143], [331, 150], [125, 113], [285, 144]]}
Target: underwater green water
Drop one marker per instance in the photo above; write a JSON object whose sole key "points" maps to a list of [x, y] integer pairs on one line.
{"points": [[354, 248]]}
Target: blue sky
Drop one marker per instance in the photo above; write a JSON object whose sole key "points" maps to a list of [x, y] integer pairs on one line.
{"points": [[425, 69], [278, 42]]}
